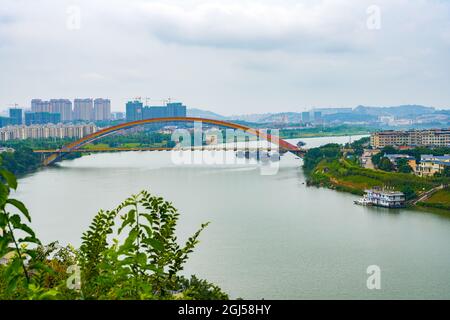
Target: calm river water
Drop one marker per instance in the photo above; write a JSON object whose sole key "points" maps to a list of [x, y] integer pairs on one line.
{"points": [[270, 236]]}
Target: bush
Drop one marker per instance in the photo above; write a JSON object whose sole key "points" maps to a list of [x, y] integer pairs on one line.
{"points": [[145, 265]]}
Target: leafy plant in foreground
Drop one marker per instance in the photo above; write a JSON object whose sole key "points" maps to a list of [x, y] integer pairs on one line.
{"points": [[147, 262], [15, 235], [144, 264]]}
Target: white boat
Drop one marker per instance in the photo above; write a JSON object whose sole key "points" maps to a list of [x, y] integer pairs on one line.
{"points": [[363, 202]]}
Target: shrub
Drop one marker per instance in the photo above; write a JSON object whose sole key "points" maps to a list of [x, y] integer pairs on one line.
{"points": [[145, 265]]}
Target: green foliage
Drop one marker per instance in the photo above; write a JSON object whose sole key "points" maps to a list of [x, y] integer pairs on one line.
{"points": [[21, 161], [386, 165], [15, 238], [24, 160], [403, 166], [323, 131], [409, 192], [315, 155], [345, 176], [138, 139], [359, 145], [150, 251], [445, 173], [145, 264]]}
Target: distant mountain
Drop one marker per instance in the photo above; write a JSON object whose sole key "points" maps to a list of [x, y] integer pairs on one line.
{"points": [[349, 117], [283, 117], [396, 111], [254, 117], [198, 113], [358, 114]]}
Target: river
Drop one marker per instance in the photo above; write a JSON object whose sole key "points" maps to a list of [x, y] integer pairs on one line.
{"points": [[270, 236]]}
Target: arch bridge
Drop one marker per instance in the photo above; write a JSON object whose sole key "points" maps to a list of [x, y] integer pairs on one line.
{"points": [[283, 145]]}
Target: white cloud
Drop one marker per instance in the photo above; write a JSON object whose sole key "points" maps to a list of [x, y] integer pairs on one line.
{"points": [[266, 55]]}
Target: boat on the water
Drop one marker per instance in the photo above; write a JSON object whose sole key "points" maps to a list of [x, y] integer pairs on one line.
{"points": [[363, 202], [382, 197]]}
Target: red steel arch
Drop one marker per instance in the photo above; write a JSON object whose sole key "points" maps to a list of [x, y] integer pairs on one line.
{"points": [[284, 145]]}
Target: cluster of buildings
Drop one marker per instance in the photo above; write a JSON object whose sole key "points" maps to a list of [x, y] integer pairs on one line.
{"points": [[21, 132], [411, 138], [60, 118], [428, 165], [59, 110], [83, 109], [316, 117], [135, 110]]}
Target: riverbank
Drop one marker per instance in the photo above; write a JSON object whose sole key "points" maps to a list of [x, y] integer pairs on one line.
{"points": [[343, 175], [318, 228], [338, 131], [439, 201]]}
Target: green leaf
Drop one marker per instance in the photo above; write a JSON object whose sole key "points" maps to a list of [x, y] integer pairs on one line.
{"points": [[12, 283], [141, 259], [155, 244], [10, 178], [49, 295], [128, 220], [19, 205], [17, 224]]}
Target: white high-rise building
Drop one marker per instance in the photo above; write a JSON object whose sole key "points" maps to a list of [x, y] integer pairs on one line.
{"points": [[63, 107], [38, 105], [102, 109], [83, 109]]}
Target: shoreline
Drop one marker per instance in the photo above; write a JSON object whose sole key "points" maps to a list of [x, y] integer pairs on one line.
{"points": [[338, 186]]}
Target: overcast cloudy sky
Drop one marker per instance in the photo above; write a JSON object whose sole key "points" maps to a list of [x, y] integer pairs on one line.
{"points": [[227, 56]]}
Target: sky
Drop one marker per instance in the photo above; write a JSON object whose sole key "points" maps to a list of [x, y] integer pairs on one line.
{"points": [[227, 56]]}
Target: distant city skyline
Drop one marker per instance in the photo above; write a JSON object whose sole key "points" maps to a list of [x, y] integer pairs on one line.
{"points": [[228, 56], [122, 109]]}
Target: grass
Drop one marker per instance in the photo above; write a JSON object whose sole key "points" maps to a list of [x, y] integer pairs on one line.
{"points": [[344, 175], [439, 200], [96, 146]]}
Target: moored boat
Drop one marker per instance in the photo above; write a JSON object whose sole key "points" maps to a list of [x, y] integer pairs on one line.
{"points": [[363, 202]]}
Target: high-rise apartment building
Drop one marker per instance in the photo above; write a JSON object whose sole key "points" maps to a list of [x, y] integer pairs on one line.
{"points": [[4, 121], [102, 109], [32, 118], [176, 109], [134, 110], [15, 115], [63, 107], [317, 116], [305, 117], [38, 105], [83, 109]]}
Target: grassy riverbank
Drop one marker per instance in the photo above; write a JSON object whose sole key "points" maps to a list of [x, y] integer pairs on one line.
{"points": [[440, 201], [343, 130], [343, 175], [328, 167]]}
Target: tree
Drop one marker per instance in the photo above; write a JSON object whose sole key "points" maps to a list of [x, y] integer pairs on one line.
{"points": [[145, 265], [403, 166], [386, 165], [409, 192]]}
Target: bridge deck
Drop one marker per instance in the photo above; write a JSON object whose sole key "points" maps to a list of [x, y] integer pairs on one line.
{"points": [[202, 148]]}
